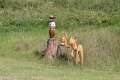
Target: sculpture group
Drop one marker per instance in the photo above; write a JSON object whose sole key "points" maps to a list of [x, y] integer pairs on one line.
{"points": [[52, 45]]}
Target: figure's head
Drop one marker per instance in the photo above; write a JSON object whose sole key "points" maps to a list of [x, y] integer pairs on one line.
{"points": [[52, 17]]}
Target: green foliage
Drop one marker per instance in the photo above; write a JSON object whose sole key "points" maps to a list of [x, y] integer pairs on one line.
{"points": [[25, 14]]}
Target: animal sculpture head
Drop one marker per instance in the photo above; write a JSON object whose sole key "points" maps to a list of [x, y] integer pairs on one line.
{"points": [[64, 34], [72, 40], [64, 39]]}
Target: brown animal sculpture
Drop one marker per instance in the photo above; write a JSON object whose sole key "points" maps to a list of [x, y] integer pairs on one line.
{"points": [[77, 51]]}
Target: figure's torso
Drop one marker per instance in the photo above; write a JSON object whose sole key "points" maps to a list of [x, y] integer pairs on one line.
{"points": [[52, 25]]}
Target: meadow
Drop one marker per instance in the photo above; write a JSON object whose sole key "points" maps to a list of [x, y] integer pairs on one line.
{"points": [[24, 30]]}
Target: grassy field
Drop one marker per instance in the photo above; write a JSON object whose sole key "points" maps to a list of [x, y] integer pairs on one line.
{"points": [[24, 30], [18, 61]]}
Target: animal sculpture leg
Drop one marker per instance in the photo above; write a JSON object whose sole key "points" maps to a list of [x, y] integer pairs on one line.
{"points": [[72, 53], [81, 54], [82, 57], [77, 59]]}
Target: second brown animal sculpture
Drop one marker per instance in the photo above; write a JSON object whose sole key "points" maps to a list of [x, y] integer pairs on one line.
{"points": [[77, 51]]}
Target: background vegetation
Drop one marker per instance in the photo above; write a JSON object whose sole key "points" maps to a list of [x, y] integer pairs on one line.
{"points": [[24, 29]]}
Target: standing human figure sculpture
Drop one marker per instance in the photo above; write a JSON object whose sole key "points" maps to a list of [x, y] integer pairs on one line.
{"points": [[52, 43]]}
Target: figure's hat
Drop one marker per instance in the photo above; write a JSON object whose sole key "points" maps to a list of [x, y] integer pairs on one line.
{"points": [[52, 17]]}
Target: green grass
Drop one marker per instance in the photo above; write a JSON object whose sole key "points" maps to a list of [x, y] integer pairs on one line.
{"points": [[24, 30], [22, 70]]}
